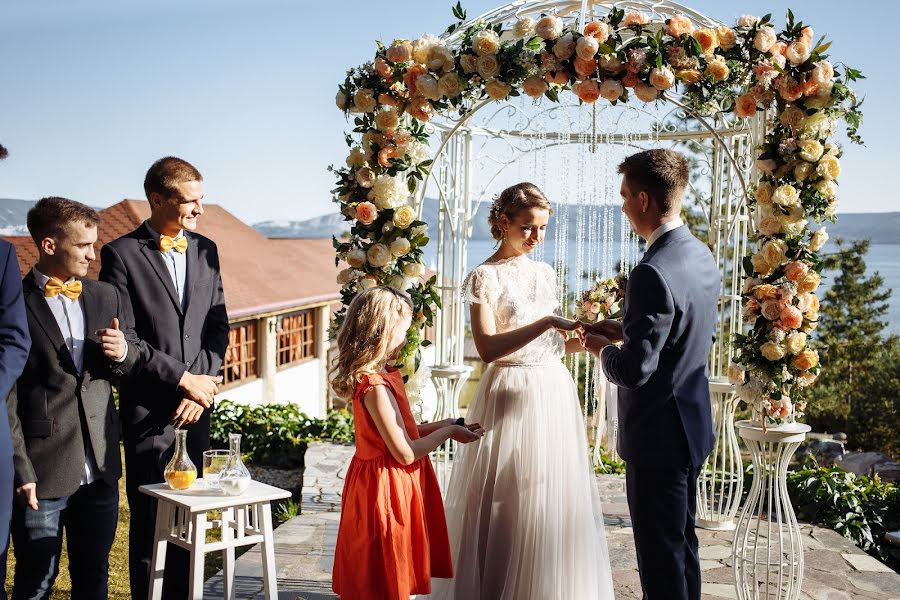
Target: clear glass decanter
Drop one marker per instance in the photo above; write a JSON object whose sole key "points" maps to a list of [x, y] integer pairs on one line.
{"points": [[180, 472], [235, 478]]}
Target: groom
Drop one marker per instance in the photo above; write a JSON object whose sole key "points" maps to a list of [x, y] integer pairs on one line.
{"points": [[665, 418]]}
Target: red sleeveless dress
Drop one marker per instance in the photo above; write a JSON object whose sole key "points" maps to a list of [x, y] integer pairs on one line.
{"points": [[393, 535]]}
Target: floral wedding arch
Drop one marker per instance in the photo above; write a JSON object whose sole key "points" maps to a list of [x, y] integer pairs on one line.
{"points": [[777, 85]]}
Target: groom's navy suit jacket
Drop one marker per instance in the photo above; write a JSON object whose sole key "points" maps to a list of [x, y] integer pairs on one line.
{"points": [[669, 324]]}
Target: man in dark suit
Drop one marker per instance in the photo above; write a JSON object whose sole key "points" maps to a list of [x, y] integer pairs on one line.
{"points": [[665, 417], [171, 290], [62, 415], [15, 342]]}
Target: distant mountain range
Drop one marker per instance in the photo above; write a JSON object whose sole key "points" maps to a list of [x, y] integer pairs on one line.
{"points": [[880, 228]]}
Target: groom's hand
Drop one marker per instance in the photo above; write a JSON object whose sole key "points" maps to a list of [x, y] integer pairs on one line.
{"points": [[608, 328], [594, 343]]}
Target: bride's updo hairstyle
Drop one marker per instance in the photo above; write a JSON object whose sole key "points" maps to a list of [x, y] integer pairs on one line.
{"points": [[512, 200]]}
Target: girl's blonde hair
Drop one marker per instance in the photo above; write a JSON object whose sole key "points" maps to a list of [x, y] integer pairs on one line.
{"points": [[364, 338], [511, 201]]}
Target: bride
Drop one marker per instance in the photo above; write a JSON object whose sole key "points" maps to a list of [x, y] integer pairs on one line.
{"points": [[522, 506]]}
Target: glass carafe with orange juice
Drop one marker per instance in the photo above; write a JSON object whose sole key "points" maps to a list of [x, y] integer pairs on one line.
{"points": [[180, 473]]}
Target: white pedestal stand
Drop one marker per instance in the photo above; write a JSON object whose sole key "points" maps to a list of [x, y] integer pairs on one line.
{"points": [[721, 481]]}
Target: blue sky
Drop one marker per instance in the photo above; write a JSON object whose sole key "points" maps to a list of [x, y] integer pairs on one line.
{"points": [[93, 91]]}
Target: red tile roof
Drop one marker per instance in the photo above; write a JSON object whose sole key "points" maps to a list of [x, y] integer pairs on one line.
{"points": [[260, 274]]}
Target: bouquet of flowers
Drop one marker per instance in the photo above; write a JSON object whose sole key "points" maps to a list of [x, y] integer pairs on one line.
{"points": [[603, 300]]}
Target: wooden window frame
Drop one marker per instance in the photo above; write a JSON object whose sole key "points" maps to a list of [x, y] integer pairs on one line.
{"points": [[299, 344], [239, 343]]}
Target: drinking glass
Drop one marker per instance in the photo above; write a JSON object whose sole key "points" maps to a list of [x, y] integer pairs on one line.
{"points": [[214, 462]]}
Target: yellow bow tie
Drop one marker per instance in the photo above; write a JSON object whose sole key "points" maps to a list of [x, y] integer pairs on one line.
{"points": [[70, 290], [166, 243]]}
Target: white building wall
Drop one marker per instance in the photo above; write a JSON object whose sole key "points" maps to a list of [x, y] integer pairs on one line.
{"points": [[252, 392], [301, 385]]}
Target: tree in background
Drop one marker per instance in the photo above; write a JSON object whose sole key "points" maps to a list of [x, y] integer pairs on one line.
{"points": [[859, 391]]}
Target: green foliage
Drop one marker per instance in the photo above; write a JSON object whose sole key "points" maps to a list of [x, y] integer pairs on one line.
{"points": [[858, 391], [276, 434], [285, 510], [609, 466]]}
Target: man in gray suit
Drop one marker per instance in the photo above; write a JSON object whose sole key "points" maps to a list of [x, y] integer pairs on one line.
{"points": [[62, 416], [665, 419], [171, 288]]}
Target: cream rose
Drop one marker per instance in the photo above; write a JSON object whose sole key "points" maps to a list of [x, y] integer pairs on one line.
{"points": [[764, 192], [806, 378], [487, 66], [795, 342], [524, 27], [761, 265], [450, 85], [385, 191], [422, 46], [772, 351], [400, 247], [769, 226], [469, 63], [645, 93], [748, 21], [797, 53], [348, 275], [810, 150], [497, 89], [564, 47], [736, 374], [786, 195], [775, 252], [379, 255], [399, 282], [549, 27], [803, 171], [340, 100], [427, 86], [823, 72], [366, 283], [356, 159], [414, 269], [611, 89], [806, 360], [534, 86], [486, 42], [586, 47], [827, 188], [440, 59], [364, 100], [355, 257], [818, 239], [387, 120], [662, 79], [829, 168], [403, 217], [717, 70], [765, 38], [727, 38], [792, 117], [809, 283]]}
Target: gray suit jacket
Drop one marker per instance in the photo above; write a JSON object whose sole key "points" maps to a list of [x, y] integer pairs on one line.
{"points": [[53, 410]]}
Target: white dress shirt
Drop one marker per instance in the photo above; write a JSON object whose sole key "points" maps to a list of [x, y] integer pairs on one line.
{"points": [[176, 263], [69, 315], [663, 229]]}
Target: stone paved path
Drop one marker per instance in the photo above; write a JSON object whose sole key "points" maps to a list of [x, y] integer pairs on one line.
{"points": [[304, 546]]}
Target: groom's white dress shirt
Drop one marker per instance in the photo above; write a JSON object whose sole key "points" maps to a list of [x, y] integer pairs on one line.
{"points": [[663, 229]]}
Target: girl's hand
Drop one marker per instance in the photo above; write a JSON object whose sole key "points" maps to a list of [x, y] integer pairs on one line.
{"points": [[465, 435]]}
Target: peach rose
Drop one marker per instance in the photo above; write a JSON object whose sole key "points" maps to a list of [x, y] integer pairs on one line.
{"points": [[366, 213], [795, 271], [771, 310], [631, 80], [413, 74], [772, 351], [797, 53], [488, 66], [524, 27], [586, 48], [770, 226], [806, 36], [791, 318], [587, 91], [789, 88], [384, 70], [611, 89], [765, 38], [450, 85], [823, 72], [809, 283], [427, 86], [420, 109], [778, 49], [795, 342], [399, 52], [662, 79], [717, 70], [792, 117], [379, 255], [736, 374], [727, 38], [707, 38], [560, 77], [422, 46], [387, 119], [469, 63], [534, 86], [806, 378], [775, 252], [689, 76], [806, 360], [355, 257], [497, 89], [386, 154], [645, 93], [633, 18], [440, 59], [564, 47], [365, 178], [364, 100], [765, 291], [583, 68], [764, 192], [486, 42], [388, 100], [597, 30], [549, 27], [780, 409], [829, 168], [818, 239], [761, 265], [679, 25], [745, 106]]}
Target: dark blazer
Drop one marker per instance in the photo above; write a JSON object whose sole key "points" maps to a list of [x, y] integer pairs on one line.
{"points": [[669, 323], [52, 403], [175, 339]]}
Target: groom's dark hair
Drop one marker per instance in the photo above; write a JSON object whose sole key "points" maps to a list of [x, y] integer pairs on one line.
{"points": [[663, 174]]}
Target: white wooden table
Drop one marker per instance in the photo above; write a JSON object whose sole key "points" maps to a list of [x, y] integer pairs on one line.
{"points": [[181, 519]]}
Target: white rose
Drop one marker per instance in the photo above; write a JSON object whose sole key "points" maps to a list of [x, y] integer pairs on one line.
{"points": [[399, 282], [818, 239], [827, 188], [417, 151], [404, 216], [772, 351], [379, 255], [414, 270], [786, 195], [803, 171], [810, 150], [450, 85], [524, 27], [549, 27], [748, 21], [400, 247], [348, 275], [427, 86], [797, 53], [355, 257], [829, 168], [586, 47], [485, 42], [422, 47], [385, 192], [765, 38], [418, 230], [366, 283], [823, 72]]}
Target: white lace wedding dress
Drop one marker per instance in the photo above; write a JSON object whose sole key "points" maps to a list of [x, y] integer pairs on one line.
{"points": [[522, 504]]}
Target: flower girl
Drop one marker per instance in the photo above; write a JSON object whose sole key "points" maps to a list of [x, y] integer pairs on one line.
{"points": [[393, 536]]}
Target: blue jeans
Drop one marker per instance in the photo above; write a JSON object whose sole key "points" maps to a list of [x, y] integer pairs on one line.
{"points": [[89, 517]]}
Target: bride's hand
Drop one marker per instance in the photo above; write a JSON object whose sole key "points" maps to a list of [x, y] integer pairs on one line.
{"points": [[561, 324]]}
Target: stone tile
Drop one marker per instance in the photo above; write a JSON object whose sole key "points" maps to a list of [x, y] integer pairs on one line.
{"points": [[866, 563], [824, 560], [885, 583], [715, 552], [718, 590], [720, 574], [706, 565]]}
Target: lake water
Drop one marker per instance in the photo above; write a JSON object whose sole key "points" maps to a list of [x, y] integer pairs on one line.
{"points": [[884, 258]]}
